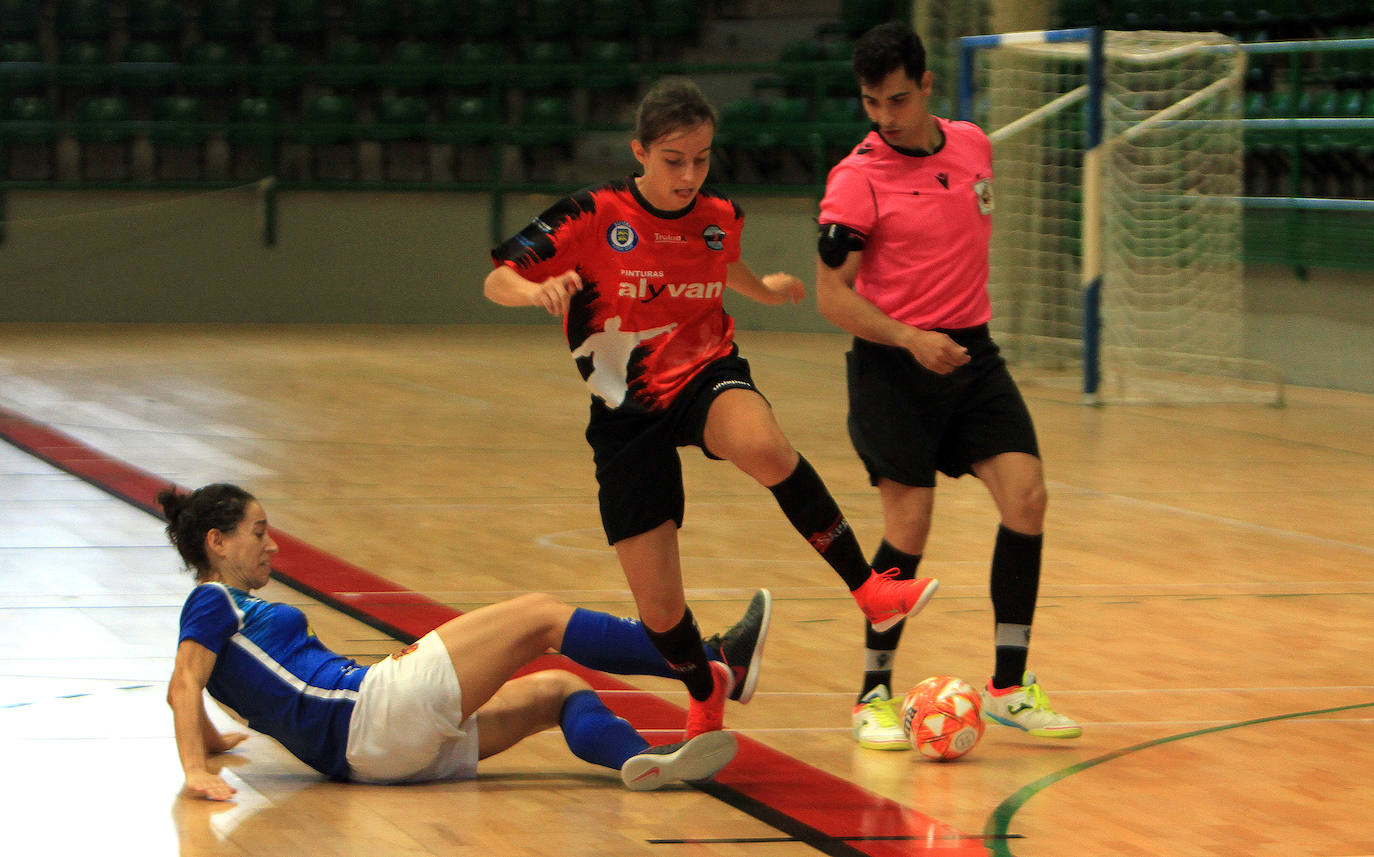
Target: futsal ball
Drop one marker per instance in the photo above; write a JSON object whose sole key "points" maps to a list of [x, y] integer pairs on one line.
{"points": [[942, 717]]}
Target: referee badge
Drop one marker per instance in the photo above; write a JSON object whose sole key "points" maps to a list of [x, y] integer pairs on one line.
{"points": [[983, 189], [621, 236]]}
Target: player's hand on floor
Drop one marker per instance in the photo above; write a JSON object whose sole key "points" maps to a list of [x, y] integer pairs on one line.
{"points": [[204, 784]]}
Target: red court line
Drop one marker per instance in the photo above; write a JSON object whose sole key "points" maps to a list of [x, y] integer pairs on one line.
{"points": [[831, 814]]}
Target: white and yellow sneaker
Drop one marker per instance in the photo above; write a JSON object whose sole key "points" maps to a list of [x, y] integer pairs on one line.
{"points": [[1028, 709], [877, 722]]}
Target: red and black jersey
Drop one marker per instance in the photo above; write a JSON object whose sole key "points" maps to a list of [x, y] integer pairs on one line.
{"points": [[650, 314]]}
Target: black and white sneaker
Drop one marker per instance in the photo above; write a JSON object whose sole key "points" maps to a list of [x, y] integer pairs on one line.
{"points": [[741, 647], [686, 761]]}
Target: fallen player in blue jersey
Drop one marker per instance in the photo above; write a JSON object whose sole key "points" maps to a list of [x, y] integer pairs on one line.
{"points": [[415, 715]]}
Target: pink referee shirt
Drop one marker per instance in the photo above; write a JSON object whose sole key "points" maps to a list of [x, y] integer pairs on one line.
{"points": [[926, 220]]}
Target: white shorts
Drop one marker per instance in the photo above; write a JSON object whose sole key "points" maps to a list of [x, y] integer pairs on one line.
{"points": [[408, 725]]}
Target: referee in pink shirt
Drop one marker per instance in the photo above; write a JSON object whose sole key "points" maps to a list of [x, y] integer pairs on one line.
{"points": [[903, 246]]}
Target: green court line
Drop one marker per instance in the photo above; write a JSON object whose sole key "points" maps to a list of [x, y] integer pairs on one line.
{"points": [[995, 831]]}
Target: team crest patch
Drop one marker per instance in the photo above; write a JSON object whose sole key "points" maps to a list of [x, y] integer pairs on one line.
{"points": [[984, 190], [715, 237], [621, 236]]}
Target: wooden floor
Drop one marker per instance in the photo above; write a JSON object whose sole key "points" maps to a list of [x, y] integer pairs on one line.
{"points": [[1207, 606]]}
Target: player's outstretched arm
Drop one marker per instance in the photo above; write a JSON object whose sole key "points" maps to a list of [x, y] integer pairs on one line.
{"points": [[771, 289], [186, 696], [506, 287]]}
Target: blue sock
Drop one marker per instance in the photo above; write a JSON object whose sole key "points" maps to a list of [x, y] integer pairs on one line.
{"points": [[612, 644], [596, 735]]}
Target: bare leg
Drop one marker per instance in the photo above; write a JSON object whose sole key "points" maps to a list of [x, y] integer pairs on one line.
{"points": [[488, 645], [907, 512], [653, 569], [741, 428], [522, 707]]}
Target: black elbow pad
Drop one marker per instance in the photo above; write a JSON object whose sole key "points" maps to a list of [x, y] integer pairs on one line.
{"points": [[836, 242]]}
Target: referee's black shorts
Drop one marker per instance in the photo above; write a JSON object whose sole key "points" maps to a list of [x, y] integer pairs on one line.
{"points": [[906, 422], [638, 472]]}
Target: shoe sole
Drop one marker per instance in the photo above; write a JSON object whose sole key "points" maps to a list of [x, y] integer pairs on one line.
{"points": [[751, 675], [1067, 732], [699, 759], [915, 608], [869, 745]]}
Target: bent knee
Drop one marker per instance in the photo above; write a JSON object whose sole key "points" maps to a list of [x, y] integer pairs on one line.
{"points": [[553, 686], [1025, 511]]}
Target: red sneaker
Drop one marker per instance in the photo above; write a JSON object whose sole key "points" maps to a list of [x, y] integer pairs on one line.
{"points": [[709, 715], [886, 600]]}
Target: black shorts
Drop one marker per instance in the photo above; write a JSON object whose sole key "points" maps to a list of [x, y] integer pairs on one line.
{"points": [[906, 422], [638, 472]]}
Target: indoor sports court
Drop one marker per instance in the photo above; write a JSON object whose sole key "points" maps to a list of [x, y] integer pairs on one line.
{"points": [[245, 241], [1203, 612]]}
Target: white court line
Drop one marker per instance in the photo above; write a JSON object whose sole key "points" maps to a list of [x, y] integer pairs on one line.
{"points": [[1218, 519]]}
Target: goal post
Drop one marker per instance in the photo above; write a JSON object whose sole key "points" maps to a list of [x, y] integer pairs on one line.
{"points": [[1116, 249]]}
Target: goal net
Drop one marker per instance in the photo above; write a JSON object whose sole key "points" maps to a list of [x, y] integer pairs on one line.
{"points": [[1116, 251]]}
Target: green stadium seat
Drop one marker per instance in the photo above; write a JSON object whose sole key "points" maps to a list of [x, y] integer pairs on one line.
{"points": [[608, 19], [252, 134], [349, 63], [796, 78], [672, 21], [544, 120], [29, 119], [858, 16], [400, 117], [545, 135], [28, 137], [431, 20], [178, 134], [374, 19], [300, 22], [19, 19], [474, 65], [470, 119], [104, 129], [103, 119], [404, 132], [413, 65], [21, 68], [155, 20], [488, 20], [276, 67], [146, 65], [609, 65], [210, 66], [329, 127], [82, 66], [178, 119], [547, 19], [328, 119], [545, 66], [227, 20], [82, 19], [253, 121]]}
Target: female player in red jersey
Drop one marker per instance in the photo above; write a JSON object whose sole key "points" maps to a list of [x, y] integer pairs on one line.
{"points": [[637, 267], [905, 224]]}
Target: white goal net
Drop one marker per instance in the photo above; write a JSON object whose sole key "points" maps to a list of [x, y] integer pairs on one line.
{"points": [[1116, 255]]}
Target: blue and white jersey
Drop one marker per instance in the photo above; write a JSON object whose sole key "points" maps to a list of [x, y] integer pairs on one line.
{"points": [[274, 671]]}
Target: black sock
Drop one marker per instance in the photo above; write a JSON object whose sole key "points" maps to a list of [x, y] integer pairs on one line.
{"points": [[880, 646], [681, 648], [807, 503], [1015, 586]]}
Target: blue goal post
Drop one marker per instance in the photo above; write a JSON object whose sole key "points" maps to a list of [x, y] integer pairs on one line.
{"points": [[1091, 95]]}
